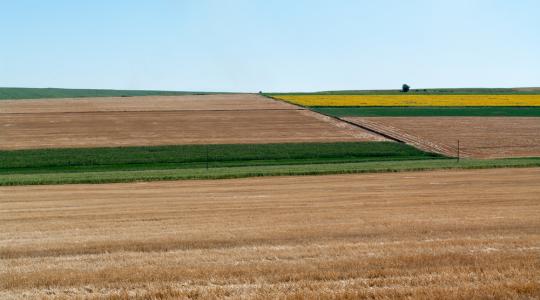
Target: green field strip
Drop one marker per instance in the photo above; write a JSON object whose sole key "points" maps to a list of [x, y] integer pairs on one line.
{"points": [[252, 171], [436, 91], [41, 93], [13, 93], [188, 156], [436, 111], [196, 165]]}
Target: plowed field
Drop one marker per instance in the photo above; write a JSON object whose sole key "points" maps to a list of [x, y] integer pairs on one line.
{"points": [[479, 137], [209, 119], [145, 103]]}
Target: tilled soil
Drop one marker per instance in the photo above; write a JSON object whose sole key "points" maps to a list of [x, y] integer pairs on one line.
{"points": [[443, 234], [144, 103], [215, 119], [479, 137]]}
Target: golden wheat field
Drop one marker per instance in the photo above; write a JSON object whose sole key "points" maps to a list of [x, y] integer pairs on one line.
{"points": [[412, 100], [468, 234]]}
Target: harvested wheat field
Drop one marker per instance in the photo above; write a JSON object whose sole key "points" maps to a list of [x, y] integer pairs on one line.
{"points": [[443, 234], [479, 137], [100, 123]]}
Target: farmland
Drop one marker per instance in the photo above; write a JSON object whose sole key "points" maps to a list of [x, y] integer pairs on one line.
{"points": [[216, 102], [70, 159], [427, 111], [471, 234], [480, 137], [123, 124], [115, 129], [155, 172], [109, 197], [487, 125], [51, 93], [261, 150], [429, 91], [412, 100]]}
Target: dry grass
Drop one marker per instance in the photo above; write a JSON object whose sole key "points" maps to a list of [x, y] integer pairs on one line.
{"points": [[445, 234]]}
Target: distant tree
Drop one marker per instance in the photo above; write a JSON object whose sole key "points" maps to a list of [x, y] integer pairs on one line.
{"points": [[405, 88]]}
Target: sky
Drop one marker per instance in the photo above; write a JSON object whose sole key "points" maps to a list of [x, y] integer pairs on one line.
{"points": [[266, 45]]}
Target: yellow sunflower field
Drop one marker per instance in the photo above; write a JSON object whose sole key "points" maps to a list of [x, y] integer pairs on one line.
{"points": [[412, 100]]}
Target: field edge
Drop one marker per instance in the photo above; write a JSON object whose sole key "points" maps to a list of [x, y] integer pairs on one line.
{"points": [[424, 111], [262, 171]]}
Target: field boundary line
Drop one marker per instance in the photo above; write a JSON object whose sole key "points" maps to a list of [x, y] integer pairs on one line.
{"points": [[412, 140], [341, 120], [150, 111], [377, 132]]}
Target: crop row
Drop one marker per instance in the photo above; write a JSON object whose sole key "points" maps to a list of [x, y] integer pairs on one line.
{"points": [[412, 100], [198, 155], [432, 111]]}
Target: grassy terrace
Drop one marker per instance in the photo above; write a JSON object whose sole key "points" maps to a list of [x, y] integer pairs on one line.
{"points": [[486, 111], [39, 93]]}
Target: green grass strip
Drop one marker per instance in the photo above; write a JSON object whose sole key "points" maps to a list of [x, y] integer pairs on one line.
{"points": [[436, 91], [251, 171], [189, 156], [40, 93], [369, 111]]}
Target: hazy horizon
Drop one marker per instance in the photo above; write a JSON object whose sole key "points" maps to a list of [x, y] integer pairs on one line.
{"points": [[270, 91]]}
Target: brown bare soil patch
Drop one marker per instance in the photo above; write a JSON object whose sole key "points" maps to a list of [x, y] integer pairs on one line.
{"points": [[480, 137], [219, 119], [431, 235], [145, 103]]}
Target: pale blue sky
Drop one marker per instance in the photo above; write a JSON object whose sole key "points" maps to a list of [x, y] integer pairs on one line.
{"points": [[282, 45]]}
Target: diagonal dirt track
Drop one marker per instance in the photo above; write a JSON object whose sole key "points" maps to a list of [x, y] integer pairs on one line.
{"points": [[407, 138], [480, 137]]}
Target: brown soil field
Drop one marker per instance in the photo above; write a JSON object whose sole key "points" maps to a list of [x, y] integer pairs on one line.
{"points": [[226, 119], [467, 234], [479, 137], [145, 103]]}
